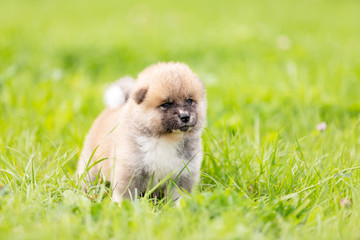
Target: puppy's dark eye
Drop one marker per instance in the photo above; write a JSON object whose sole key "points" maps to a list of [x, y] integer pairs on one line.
{"points": [[189, 101], [166, 105]]}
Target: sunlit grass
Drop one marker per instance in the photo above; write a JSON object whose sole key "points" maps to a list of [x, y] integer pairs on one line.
{"points": [[273, 72]]}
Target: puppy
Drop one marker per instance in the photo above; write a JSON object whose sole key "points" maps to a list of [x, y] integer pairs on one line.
{"points": [[150, 129]]}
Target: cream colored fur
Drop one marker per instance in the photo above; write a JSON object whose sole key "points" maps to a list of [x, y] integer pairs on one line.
{"points": [[132, 138]]}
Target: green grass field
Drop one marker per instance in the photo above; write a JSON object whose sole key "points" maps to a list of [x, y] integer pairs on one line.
{"points": [[273, 70]]}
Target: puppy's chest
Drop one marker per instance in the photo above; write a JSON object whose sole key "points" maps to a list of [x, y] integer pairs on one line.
{"points": [[160, 157]]}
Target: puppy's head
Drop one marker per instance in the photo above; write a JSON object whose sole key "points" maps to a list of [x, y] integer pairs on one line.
{"points": [[169, 98]]}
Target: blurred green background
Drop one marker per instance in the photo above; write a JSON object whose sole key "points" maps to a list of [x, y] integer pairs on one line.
{"points": [[294, 62], [273, 71]]}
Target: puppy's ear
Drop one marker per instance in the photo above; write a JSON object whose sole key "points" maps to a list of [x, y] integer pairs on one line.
{"points": [[139, 95]]}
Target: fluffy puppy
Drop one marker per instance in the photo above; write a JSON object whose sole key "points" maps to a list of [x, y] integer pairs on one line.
{"points": [[150, 129]]}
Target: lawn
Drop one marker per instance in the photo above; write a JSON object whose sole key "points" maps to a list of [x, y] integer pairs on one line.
{"points": [[274, 70]]}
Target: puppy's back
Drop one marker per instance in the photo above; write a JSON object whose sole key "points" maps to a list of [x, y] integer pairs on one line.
{"points": [[99, 141]]}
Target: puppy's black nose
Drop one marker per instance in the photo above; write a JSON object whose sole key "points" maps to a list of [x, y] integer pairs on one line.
{"points": [[185, 117]]}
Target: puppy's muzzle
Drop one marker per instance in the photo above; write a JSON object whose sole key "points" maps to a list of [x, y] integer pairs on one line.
{"points": [[186, 121], [184, 117]]}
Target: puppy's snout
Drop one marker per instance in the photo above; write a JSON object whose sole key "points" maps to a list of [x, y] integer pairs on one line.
{"points": [[184, 117]]}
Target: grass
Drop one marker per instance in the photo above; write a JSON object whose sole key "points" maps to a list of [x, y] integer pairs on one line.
{"points": [[273, 71]]}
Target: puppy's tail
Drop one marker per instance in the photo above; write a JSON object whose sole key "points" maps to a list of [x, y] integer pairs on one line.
{"points": [[118, 92]]}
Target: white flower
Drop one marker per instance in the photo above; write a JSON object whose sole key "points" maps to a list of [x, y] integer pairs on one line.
{"points": [[321, 126]]}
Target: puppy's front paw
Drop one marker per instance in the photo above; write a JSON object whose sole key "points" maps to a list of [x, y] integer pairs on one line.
{"points": [[117, 197]]}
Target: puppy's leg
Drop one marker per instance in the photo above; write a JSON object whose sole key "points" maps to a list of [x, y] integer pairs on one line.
{"points": [[184, 183], [129, 186], [86, 176]]}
